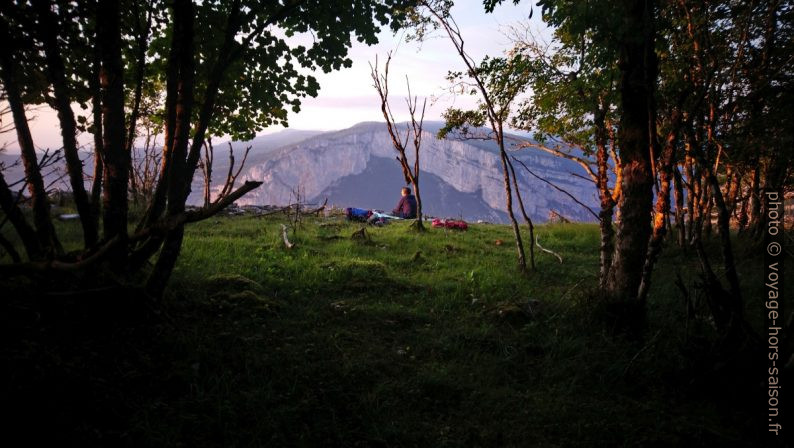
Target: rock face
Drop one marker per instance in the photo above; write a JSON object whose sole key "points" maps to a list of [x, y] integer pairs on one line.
{"points": [[356, 167]]}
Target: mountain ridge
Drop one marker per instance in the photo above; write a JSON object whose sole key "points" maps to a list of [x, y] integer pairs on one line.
{"points": [[346, 167], [356, 167]]}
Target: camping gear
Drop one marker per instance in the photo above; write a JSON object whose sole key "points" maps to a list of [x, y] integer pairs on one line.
{"points": [[372, 217], [450, 224], [379, 214], [357, 214]]}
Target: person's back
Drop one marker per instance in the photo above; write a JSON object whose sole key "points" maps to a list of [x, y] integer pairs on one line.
{"points": [[406, 208]]}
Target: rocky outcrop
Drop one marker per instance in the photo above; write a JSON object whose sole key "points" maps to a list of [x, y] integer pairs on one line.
{"points": [[356, 167]]}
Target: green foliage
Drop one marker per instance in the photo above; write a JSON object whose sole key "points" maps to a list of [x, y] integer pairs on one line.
{"points": [[574, 78], [503, 78], [457, 120], [267, 69], [269, 78]]}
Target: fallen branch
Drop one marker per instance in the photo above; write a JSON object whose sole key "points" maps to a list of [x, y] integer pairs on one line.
{"points": [[297, 206], [360, 234], [537, 243], [284, 235], [554, 215], [317, 210]]}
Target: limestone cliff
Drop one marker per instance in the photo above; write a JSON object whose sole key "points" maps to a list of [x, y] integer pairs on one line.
{"points": [[356, 167]]}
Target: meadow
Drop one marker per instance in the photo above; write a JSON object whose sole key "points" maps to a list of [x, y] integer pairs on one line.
{"points": [[399, 339]]}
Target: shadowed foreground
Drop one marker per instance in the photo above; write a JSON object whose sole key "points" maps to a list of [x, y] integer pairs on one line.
{"points": [[401, 340]]}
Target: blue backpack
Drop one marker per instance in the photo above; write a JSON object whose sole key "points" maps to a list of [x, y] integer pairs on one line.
{"points": [[357, 214]]}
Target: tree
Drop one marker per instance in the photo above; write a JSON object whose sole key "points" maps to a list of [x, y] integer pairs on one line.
{"points": [[497, 89], [381, 84], [573, 108], [43, 241], [235, 77], [206, 163], [637, 64]]}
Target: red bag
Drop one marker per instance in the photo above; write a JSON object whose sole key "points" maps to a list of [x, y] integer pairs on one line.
{"points": [[450, 224]]}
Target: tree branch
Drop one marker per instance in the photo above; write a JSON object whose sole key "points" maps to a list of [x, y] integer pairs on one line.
{"points": [[557, 188]]}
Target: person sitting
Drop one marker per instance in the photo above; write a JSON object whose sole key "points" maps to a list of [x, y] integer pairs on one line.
{"points": [[406, 208]]}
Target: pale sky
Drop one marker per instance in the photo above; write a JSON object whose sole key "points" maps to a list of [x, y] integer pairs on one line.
{"points": [[347, 97]]}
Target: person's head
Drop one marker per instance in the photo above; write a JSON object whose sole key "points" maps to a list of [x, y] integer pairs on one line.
{"points": [[406, 191]]}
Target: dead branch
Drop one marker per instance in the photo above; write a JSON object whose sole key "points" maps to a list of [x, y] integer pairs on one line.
{"points": [[206, 169], [555, 214], [294, 206], [582, 177], [284, 236], [317, 210], [537, 243], [360, 234], [231, 176], [558, 188], [170, 223], [411, 175]]}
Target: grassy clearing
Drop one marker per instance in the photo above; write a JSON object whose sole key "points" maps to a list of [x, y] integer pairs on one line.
{"points": [[406, 339]]}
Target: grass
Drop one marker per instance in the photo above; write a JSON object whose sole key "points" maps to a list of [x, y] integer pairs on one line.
{"points": [[405, 339]]}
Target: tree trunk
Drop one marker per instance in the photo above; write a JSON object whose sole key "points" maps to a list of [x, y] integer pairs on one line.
{"points": [[755, 200], [707, 224], [607, 245], [522, 262], [638, 79], [679, 208], [158, 279], [524, 214], [415, 174], [114, 155], [96, 109], [662, 206], [743, 217], [727, 306], [527, 219], [723, 222], [159, 198], [141, 38], [47, 31], [733, 183], [691, 197], [419, 219], [99, 167], [183, 28], [26, 233], [209, 156], [225, 56], [45, 231]]}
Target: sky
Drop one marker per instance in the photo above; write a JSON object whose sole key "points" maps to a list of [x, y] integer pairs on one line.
{"points": [[347, 97]]}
